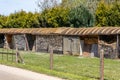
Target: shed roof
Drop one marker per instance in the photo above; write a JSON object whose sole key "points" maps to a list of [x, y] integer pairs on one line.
{"points": [[63, 31]]}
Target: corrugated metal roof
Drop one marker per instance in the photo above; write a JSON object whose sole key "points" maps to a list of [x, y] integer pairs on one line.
{"points": [[63, 31]]}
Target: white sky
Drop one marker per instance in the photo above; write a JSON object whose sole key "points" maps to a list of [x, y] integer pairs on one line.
{"points": [[10, 6]]}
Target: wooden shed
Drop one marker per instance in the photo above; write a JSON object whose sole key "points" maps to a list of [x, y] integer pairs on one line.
{"points": [[74, 41]]}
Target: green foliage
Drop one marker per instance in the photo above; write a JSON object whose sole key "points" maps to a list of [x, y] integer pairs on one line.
{"points": [[72, 3], [2, 20], [80, 17], [54, 17], [73, 13], [108, 15], [20, 19]]}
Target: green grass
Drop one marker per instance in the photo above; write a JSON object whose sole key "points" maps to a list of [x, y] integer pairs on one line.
{"points": [[68, 67]]}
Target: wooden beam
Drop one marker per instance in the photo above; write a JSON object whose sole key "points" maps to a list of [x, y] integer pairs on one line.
{"points": [[36, 42], [26, 43], [117, 47], [81, 46], [98, 45], [7, 40], [34, 45]]}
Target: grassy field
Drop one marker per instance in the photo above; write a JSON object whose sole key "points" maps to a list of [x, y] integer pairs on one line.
{"points": [[68, 67]]}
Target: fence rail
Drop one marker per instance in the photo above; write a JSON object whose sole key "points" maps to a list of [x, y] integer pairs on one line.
{"points": [[10, 54], [93, 68]]}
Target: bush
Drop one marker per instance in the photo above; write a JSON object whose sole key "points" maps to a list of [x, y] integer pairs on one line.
{"points": [[54, 17], [80, 17], [108, 15]]}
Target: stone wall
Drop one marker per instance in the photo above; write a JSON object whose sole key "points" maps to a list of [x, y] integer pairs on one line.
{"points": [[109, 44], [43, 43], [20, 41], [109, 49]]}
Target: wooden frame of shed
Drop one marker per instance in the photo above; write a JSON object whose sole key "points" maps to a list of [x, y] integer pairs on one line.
{"points": [[74, 41]]}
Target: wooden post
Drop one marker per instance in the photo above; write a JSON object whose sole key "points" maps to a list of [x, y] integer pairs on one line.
{"points": [[36, 42], [7, 56], [26, 43], [98, 46], [2, 56], [117, 47], [12, 57], [51, 57], [6, 42], [81, 51], [102, 64], [21, 59], [16, 54]]}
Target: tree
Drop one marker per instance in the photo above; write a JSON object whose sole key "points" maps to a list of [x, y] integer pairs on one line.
{"points": [[114, 15], [46, 4], [54, 17], [22, 19], [108, 14], [80, 17], [72, 3], [45, 8], [101, 14], [2, 21]]}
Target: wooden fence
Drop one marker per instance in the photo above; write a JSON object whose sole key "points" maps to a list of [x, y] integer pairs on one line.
{"points": [[11, 55]]}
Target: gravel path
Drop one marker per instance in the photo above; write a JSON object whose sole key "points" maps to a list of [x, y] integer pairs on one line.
{"points": [[12, 73]]}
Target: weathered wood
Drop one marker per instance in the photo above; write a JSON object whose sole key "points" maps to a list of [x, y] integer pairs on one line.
{"points": [[117, 47], [81, 47], [98, 45], [12, 58], [7, 53], [21, 58], [16, 55], [2, 56], [102, 64], [7, 40], [34, 46], [7, 57], [51, 58], [26, 43]]}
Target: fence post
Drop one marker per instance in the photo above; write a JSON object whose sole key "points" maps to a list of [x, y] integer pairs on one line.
{"points": [[12, 57], [2, 56], [7, 56], [102, 64], [16, 56], [51, 57]]}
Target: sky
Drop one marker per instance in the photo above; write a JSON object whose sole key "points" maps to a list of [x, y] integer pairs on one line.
{"points": [[10, 6]]}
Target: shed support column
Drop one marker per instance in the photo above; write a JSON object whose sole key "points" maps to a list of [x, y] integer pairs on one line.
{"points": [[117, 47], [98, 46], [34, 45], [36, 42], [26, 43], [6, 42], [81, 50]]}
